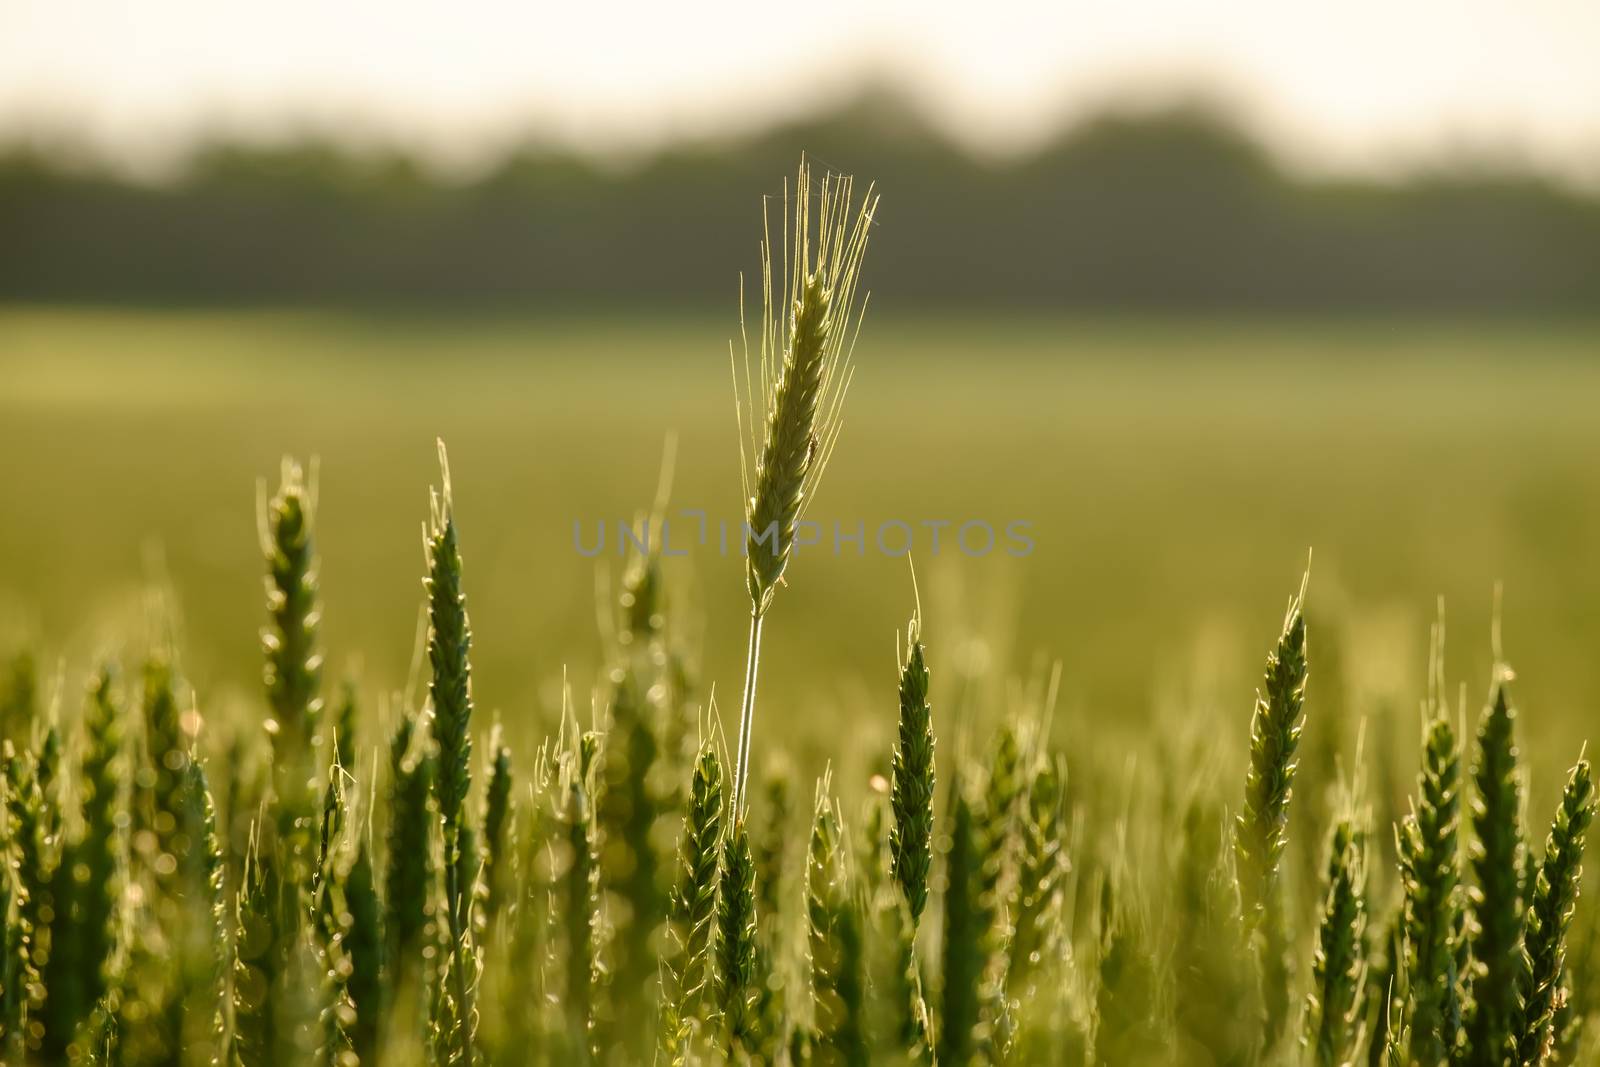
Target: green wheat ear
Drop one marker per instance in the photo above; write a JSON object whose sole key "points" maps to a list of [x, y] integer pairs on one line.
{"points": [[293, 672], [205, 944], [25, 822], [835, 937], [1041, 871], [1338, 964], [966, 927], [1218, 1000], [1553, 895], [1427, 843], [364, 945], [103, 851], [449, 648], [1496, 900], [12, 962], [408, 876], [581, 902], [257, 964], [450, 692], [694, 908], [1262, 828], [625, 814], [911, 792], [736, 942], [809, 313], [346, 730], [1000, 827], [809, 318], [497, 818]]}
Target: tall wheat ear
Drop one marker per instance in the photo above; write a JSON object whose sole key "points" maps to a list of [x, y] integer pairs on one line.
{"points": [[810, 316]]}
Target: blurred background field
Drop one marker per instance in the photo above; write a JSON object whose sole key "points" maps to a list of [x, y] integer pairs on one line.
{"points": [[1175, 473], [1186, 296]]}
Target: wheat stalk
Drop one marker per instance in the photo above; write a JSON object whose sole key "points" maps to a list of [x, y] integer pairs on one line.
{"points": [[808, 323]]}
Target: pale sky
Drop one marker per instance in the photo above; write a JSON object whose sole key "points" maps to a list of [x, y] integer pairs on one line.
{"points": [[1353, 85]]}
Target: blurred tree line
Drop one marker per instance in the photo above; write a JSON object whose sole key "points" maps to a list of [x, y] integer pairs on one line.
{"points": [[1175, 210]]}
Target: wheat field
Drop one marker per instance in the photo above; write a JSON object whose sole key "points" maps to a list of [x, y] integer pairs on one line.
{"points": [[1157, 790]]}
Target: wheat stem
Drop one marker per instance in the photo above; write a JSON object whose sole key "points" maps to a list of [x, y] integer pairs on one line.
{"points": [[747, 713]]}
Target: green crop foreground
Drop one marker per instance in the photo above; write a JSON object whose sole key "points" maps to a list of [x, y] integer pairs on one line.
{"points": [[336, 880]]}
